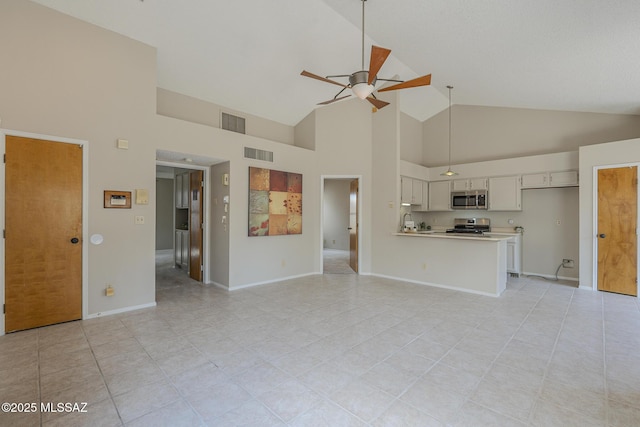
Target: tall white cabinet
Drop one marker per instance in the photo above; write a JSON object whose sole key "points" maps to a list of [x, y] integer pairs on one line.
{"points": [[505, 194]]}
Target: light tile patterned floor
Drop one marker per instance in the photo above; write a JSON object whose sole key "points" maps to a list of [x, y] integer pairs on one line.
{"points": [[338, 350]]}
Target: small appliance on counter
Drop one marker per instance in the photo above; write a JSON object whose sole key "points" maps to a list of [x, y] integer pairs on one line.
{"points": [[470, 226]]}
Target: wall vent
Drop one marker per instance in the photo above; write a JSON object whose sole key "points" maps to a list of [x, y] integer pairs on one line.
{"points": [[254, 153], [233, 123]]}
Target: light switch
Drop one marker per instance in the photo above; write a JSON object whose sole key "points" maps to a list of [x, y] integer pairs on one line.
{"points": [[123, 144], [139, 219]]}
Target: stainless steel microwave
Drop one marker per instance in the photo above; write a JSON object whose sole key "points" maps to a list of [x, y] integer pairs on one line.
{"points": [[469, 199]]}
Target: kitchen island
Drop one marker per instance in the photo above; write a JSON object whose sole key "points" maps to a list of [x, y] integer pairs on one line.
{"points": [[471, 263]]}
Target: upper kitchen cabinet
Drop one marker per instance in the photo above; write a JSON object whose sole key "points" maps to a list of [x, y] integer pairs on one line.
{"points": [[411, 191], [505, 194], [550, 179], [440, 196], [469, 184]]}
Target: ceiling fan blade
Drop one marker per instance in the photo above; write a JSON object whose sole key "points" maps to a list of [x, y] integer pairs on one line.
{"points": [[314, 76], [378, 103], [378, 56], [333, 100], [420, 81]]}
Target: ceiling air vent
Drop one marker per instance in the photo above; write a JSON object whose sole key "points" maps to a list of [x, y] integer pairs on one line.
{"points": [[254, 153], [233, 123]]}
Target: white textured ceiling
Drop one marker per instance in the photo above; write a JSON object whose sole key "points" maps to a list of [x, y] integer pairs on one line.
{"points": [[573, 55]]}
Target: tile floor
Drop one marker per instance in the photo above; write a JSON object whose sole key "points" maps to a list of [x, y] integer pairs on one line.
{"points": [[338, 350]]}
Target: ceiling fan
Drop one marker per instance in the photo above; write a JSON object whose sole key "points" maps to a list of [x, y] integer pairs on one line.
{"points": [[363, 83]]}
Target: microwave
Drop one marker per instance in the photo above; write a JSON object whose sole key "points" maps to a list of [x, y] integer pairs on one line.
{"points": [[469, 199]]}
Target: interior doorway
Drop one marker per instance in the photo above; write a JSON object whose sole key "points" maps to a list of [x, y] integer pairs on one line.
{"points": [[180, 224], [340, 225]]}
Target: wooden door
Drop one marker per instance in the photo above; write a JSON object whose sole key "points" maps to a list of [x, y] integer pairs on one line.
{"points": [[43, 245], [353, 225], [617, 223], [195, 224]]}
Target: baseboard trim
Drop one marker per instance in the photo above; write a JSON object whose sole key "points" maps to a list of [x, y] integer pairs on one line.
{"points": [[266, 282], [436, 285], [120, 310]]}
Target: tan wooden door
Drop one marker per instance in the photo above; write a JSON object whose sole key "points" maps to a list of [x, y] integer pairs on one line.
{"points": [[195, 224], [353, 225], [617, 223], [43, 245]]}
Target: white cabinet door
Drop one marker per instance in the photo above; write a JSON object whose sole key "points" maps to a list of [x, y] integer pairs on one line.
{"points": [[440, 196], [563, 179], [535, 180], [410, 191], [478, 183], [459, 185], [511, 256], [406, 190], [505, 194], [416, 192]]}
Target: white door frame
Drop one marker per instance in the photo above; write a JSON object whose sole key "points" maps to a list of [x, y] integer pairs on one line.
{"points": [[85, 213], [359, 219], [206, 239], [594, 272]]}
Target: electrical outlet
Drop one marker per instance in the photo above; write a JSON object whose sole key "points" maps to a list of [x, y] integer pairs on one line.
{"points": [[109, 291], [567, 263]]}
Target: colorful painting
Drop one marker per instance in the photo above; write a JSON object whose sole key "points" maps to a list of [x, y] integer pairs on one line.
{"points": [[275, 202]]}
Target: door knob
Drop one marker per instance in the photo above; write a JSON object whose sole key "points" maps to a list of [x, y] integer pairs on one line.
{"points": [[75, 240], [602, 236], [349, 228]]}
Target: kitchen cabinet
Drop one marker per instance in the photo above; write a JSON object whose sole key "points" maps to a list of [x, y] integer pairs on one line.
{"points": [[514, 255], [505, 193], [440, 196], [182, 190], [181, 252], [550, 179], [411, 191], [469, 184], [563, 179]]}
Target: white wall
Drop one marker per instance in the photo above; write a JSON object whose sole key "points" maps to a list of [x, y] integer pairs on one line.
{"points": [[610, 154], [179, 106], [220, 238], [335, 209], [410, 139], [343, 146], [485, 133]]}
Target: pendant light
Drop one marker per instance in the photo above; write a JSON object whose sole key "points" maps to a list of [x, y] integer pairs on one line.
{"points": [[449, 172]]}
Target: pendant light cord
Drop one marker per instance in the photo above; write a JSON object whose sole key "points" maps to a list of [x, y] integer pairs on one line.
{"points": [[449, 87]]}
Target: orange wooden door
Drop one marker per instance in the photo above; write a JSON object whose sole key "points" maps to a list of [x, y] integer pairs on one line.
{"points": [[617, 223], [43, 245], [353, 225], [195, 224]]}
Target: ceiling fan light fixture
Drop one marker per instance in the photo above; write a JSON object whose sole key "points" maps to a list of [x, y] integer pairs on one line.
{"points": [[359, 84]]}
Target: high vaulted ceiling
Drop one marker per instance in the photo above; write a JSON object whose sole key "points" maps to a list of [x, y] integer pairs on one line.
{"points": [[573, 55]]}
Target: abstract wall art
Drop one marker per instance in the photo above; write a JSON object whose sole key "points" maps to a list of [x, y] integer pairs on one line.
{"points": [[275, 202]]}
